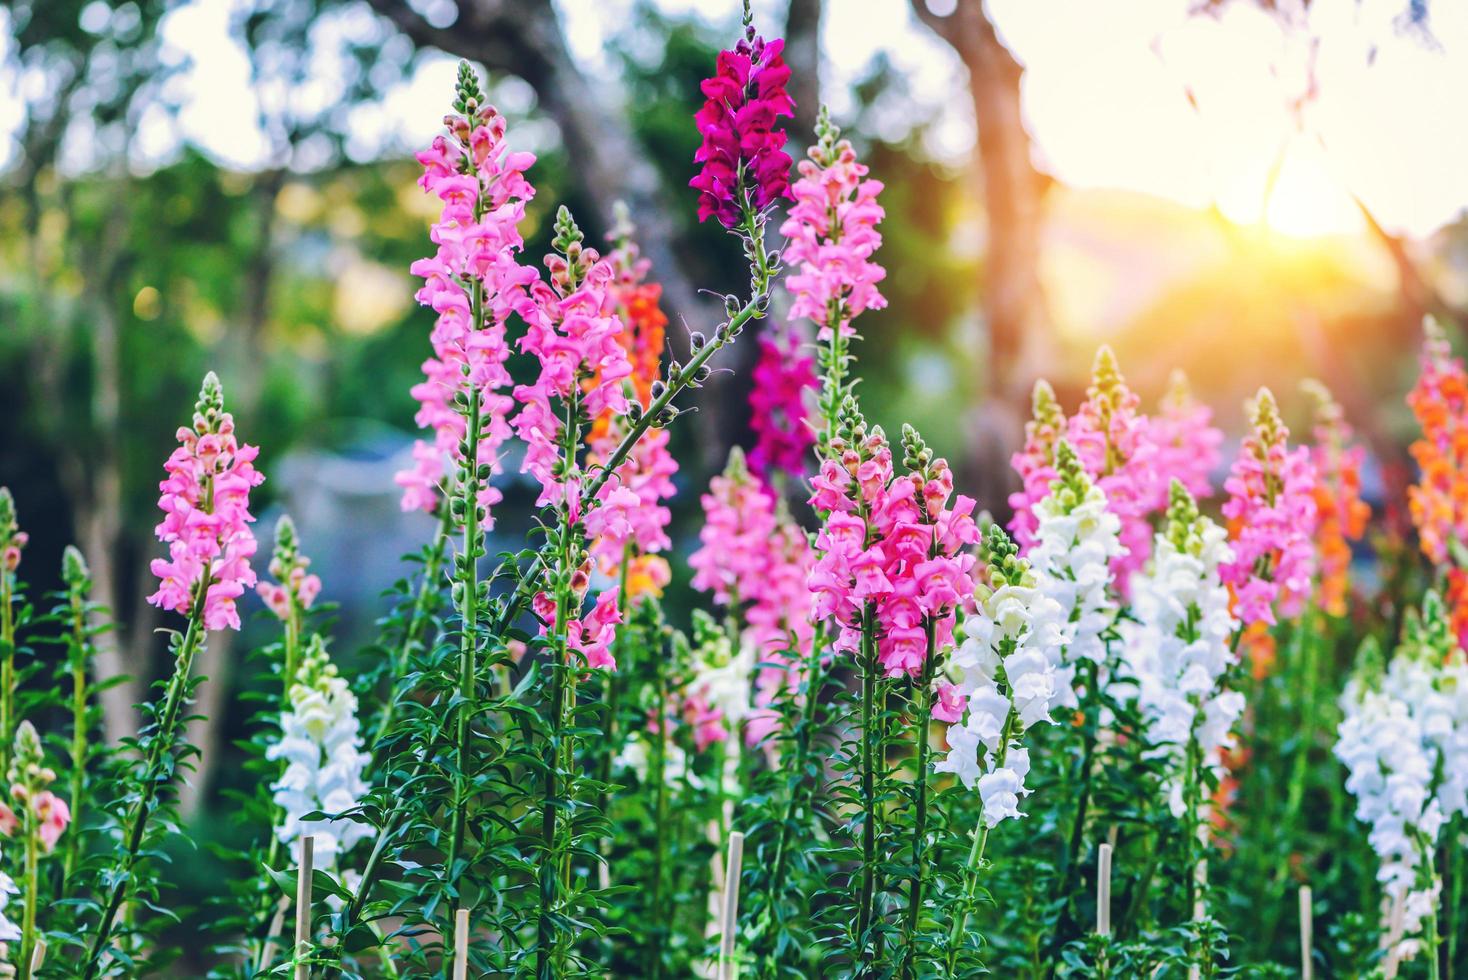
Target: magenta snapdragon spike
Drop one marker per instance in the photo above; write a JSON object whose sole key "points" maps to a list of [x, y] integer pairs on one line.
{"points": [[744, 166], [1271, 512], [1187, 442], [1035, 462], [483, 190], [900, 543], [1114, 441], [832, 236], [206, 525], [779, 409]]}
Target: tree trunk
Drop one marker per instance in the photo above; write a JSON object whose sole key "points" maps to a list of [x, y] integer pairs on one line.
{"points": [[1020, 340]]}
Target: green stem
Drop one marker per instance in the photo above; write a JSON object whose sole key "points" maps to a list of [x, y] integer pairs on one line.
{"points": [[468, 579], [32, 884], [159, 747], [975, 862], [866, 895], [923, 725], [7, 667], [78, 732], [422, 605], [660, 791]]}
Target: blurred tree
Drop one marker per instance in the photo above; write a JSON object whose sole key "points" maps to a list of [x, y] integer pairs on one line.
{"points": [[1013, 192]]}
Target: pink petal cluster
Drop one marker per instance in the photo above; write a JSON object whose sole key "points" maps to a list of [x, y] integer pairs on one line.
{"points": [[294, 587], [706, 721], [950, 704], [641, 484], [573, 334], [52, 814], [742, 154], [591, 635], [756, 560], [832, 236], [1187, 442], [1117, 448], [206, 524], [1271, 512], [483, 189], [1035, 462], [894, 543], [779, 408]]}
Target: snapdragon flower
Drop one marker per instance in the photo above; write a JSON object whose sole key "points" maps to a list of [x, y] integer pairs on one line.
{"points": [[744, 166], [295, 589], [1439, 400], [1404, 742], [12, 538], [1271, 513], [778, 408], [1077, 542], [1035, 462], [321, 745], [898, 543], [1115, 443], [473, 282], [1341, 511], [1177, 647], [1187, 441], [832, 236], [205, 500], [1009, 680], [755, 561]]}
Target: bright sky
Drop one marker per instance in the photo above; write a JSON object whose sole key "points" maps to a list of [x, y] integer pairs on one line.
{"points": [[1106, 95]]}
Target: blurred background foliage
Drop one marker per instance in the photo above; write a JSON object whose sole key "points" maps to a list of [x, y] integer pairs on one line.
{"points": [[131, 263]]}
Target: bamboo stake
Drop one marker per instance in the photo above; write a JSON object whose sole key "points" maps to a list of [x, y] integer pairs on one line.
{"points": [[303, 907], [1393, 938], [1103, 891], [1307, 932], [38, 955], [727, 967], [461, 944], [277, 921]]}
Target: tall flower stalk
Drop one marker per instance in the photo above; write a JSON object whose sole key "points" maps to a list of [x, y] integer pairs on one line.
{"points": [[42, 819], [1009, 682], [12, 541], [79, 654], [205, 500]]}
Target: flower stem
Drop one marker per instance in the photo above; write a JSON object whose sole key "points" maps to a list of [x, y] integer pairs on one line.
{"points": [[975, 861], [160, 745], [867, 893], [7, 667], [922, 725], [468, 580], [78, 730], [32, 883]]}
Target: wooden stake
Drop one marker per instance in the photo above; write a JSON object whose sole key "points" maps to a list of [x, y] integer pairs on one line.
{"points": [[732, 869], [1103, 891], [1395, 926], [1307, 934], [303, 907], [38, 956], [461, 944]]}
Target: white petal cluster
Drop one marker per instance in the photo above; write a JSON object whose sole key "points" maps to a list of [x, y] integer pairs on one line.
{"points": [[1404, 743], [1011, 678], [9, 931], [1176, 652], [322, 748], [1075, 542], [721, 678]]}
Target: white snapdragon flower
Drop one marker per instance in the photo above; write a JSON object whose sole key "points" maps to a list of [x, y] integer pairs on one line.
{"points": [[321, 746], [1076, 539], [1009, 661], [1404, 743], [1176, 649]]}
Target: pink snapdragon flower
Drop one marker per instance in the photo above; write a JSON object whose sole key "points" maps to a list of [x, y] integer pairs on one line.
{"points": [[573, 334], [483, 190], [206, 524], [832, 236], [894, 543], [294, 587], [12, 538], [950, 704], [779, 408], [1035, 462], [1187, 442], [1115, 444], [742, 156], [591, 636], [1271, 515], [755, 560]]}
